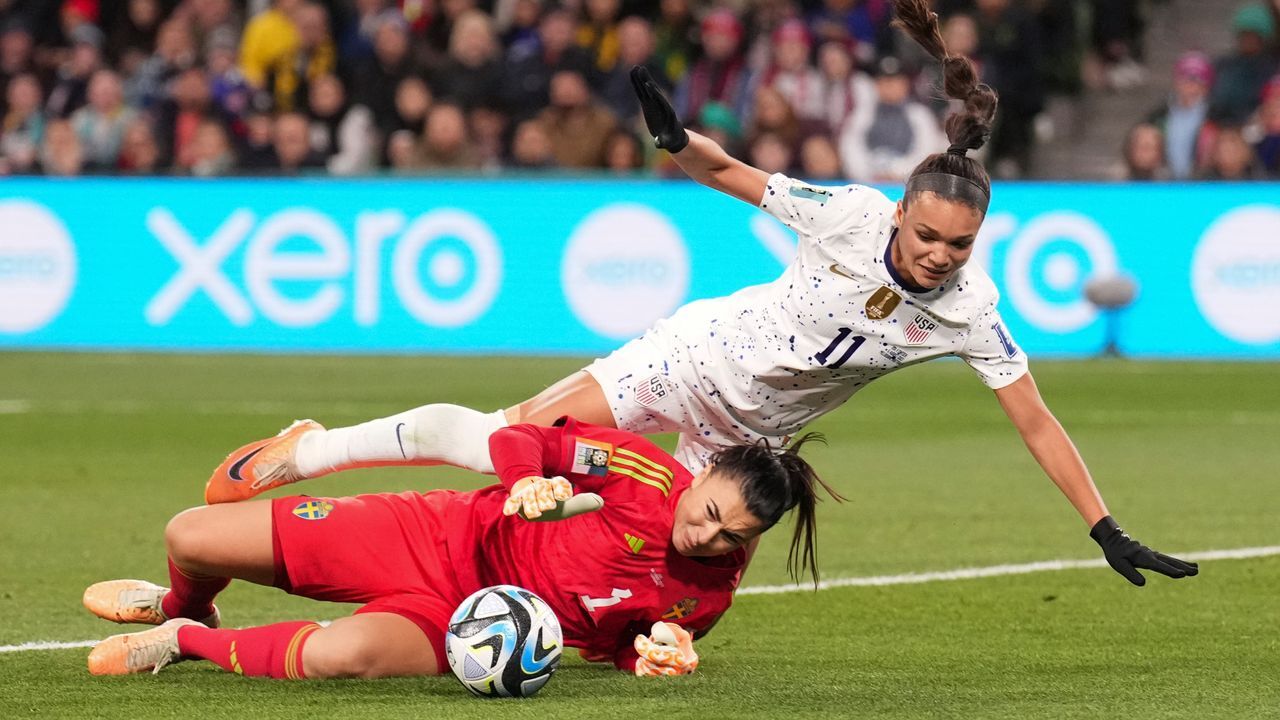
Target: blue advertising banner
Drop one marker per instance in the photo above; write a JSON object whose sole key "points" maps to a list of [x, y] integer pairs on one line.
{"points": [[576, 266]]}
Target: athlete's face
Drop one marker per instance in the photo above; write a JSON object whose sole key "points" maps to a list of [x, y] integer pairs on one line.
{"points": [[712, 518], [935, 239]]}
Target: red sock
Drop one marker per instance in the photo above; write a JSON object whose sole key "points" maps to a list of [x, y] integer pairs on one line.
{"points": [[191, 595], [267, 651]]}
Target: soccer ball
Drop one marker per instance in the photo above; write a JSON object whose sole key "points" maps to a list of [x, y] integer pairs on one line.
{"points": [[503, 641]]}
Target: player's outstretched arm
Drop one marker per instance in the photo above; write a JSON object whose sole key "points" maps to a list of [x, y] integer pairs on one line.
{"points": [[1057, 455], [699, 156]]}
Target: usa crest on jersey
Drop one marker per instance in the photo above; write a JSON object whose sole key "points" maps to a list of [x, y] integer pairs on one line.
{"points": [[919, 329]]}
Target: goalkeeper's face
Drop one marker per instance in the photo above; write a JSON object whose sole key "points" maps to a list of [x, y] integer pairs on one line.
{"points": [[712, 518]]}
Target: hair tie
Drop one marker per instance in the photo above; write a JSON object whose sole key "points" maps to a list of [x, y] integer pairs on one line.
{"points": [[958, 150]]}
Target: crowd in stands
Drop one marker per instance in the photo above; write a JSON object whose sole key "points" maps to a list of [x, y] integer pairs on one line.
{"points": [[823, 89], [1222, 117]]}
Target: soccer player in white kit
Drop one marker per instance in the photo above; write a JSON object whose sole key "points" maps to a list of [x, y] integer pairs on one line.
{"points": [[876, 286]]}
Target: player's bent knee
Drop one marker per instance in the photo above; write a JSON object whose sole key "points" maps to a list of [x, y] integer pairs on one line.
{"points": [[184, 538]]}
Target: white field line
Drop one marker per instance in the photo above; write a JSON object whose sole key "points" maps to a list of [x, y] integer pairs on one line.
{"points": [[874, 581]]}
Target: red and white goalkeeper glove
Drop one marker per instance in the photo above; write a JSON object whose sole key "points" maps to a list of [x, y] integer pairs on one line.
{"points": [[539, 498], [667, 651]]}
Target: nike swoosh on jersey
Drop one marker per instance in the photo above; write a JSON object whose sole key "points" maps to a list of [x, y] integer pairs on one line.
{"points": [[835, 268], [234, 470]]}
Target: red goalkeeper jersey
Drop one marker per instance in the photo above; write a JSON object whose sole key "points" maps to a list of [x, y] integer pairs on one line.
{"points": [[608, 574]]}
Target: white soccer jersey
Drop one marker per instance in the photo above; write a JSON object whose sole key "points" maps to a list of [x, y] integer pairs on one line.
{"points": [[779, 355]]}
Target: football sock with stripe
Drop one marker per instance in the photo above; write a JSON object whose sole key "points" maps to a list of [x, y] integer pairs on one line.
{"points": [[436, 434], [268, 651], [191, 595]]}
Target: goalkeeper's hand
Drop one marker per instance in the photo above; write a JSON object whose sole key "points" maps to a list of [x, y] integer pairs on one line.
{"points": [[1125, 554], [539, 498], [668, 650], [664, 126]]}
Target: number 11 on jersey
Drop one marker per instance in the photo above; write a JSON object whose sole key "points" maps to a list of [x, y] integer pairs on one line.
{"points": [[854, 343]]}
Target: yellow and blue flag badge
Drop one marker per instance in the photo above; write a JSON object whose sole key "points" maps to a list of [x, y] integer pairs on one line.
{"points": [[313, 509], [682, 609], [591, 457]]}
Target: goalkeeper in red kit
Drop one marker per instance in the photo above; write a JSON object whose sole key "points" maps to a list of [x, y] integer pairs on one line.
{"points": [[641, 542]]}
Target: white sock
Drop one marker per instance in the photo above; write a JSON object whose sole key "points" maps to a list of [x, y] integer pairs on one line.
{"points": [[446, 434]]}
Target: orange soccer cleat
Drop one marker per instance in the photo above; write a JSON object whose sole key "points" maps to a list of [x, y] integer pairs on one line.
{"points": [[138, 652], [258, 466], [132, 601]]}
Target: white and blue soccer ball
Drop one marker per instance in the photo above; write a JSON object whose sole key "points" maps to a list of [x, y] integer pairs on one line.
{"points": [[503, 641]]}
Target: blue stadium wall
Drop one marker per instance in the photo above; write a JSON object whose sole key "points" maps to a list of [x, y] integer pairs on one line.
{"points": [[575, 266]]}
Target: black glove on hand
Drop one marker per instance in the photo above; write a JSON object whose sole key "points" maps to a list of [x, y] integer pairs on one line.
{"points": [[1125, 554], [659, 116]]}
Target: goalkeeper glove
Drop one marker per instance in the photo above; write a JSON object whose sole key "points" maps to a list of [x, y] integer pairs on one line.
{"points": [[1125, 554], [539, 498], [659, 116], [667, 651]]}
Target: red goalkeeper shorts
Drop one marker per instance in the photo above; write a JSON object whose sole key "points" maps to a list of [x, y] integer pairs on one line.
{"points": [[385, 550]]}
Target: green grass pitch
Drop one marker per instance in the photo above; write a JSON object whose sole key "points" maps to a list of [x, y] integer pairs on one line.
{"points": [[98, 451]]}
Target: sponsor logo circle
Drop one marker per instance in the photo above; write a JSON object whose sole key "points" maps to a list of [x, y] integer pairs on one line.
{"points": [[37, 266], [1048, 264], [625, 267], [1235, 275]]}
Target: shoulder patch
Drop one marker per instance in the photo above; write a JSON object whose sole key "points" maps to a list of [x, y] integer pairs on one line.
{"points": [[809, 192], [591, 457]]}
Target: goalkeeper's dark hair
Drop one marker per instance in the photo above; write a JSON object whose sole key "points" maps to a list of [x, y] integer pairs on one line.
{"points": [[968, 128], [773, 482]]}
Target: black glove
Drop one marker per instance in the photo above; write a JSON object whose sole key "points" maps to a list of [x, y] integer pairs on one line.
{"points": [[659, 116], [1125, 554]]}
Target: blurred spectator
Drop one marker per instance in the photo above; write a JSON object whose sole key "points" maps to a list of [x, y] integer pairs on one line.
{"points": [[1144, 154], [290, 138], [1232, 157], [884, 140], [210, 16], [792, 75], [635, 47], [677, 39], [721, 74], [21, 126], [770, 153], [773, 114], [139, 153], [175, 51], [1239, 77], [488, 129], [1009, 51], [623, 152], [718, 122], [960, 34], [342, 133], [70, 91], [178, 117], [231, 93], [16, 48], [445, 146], [861, 22], [440, 23], [1268, 129], [269, 43], [819, 159], [413, 102], [211, 151], [1117, 40], [75, 13], [531, 146], [577, 125], [517, 21], [598, 33], [61, 154], [257, 151], [471, 75], [316, 55], [133, 37], [101, 123], [527, 76], [1062, 47], [1182, 120], [762, 20], [377, 80], [844, 86], [403, 153]]}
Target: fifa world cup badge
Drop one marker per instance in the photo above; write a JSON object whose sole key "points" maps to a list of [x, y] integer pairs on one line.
{"points": [[591, 457], [882, 303]]}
